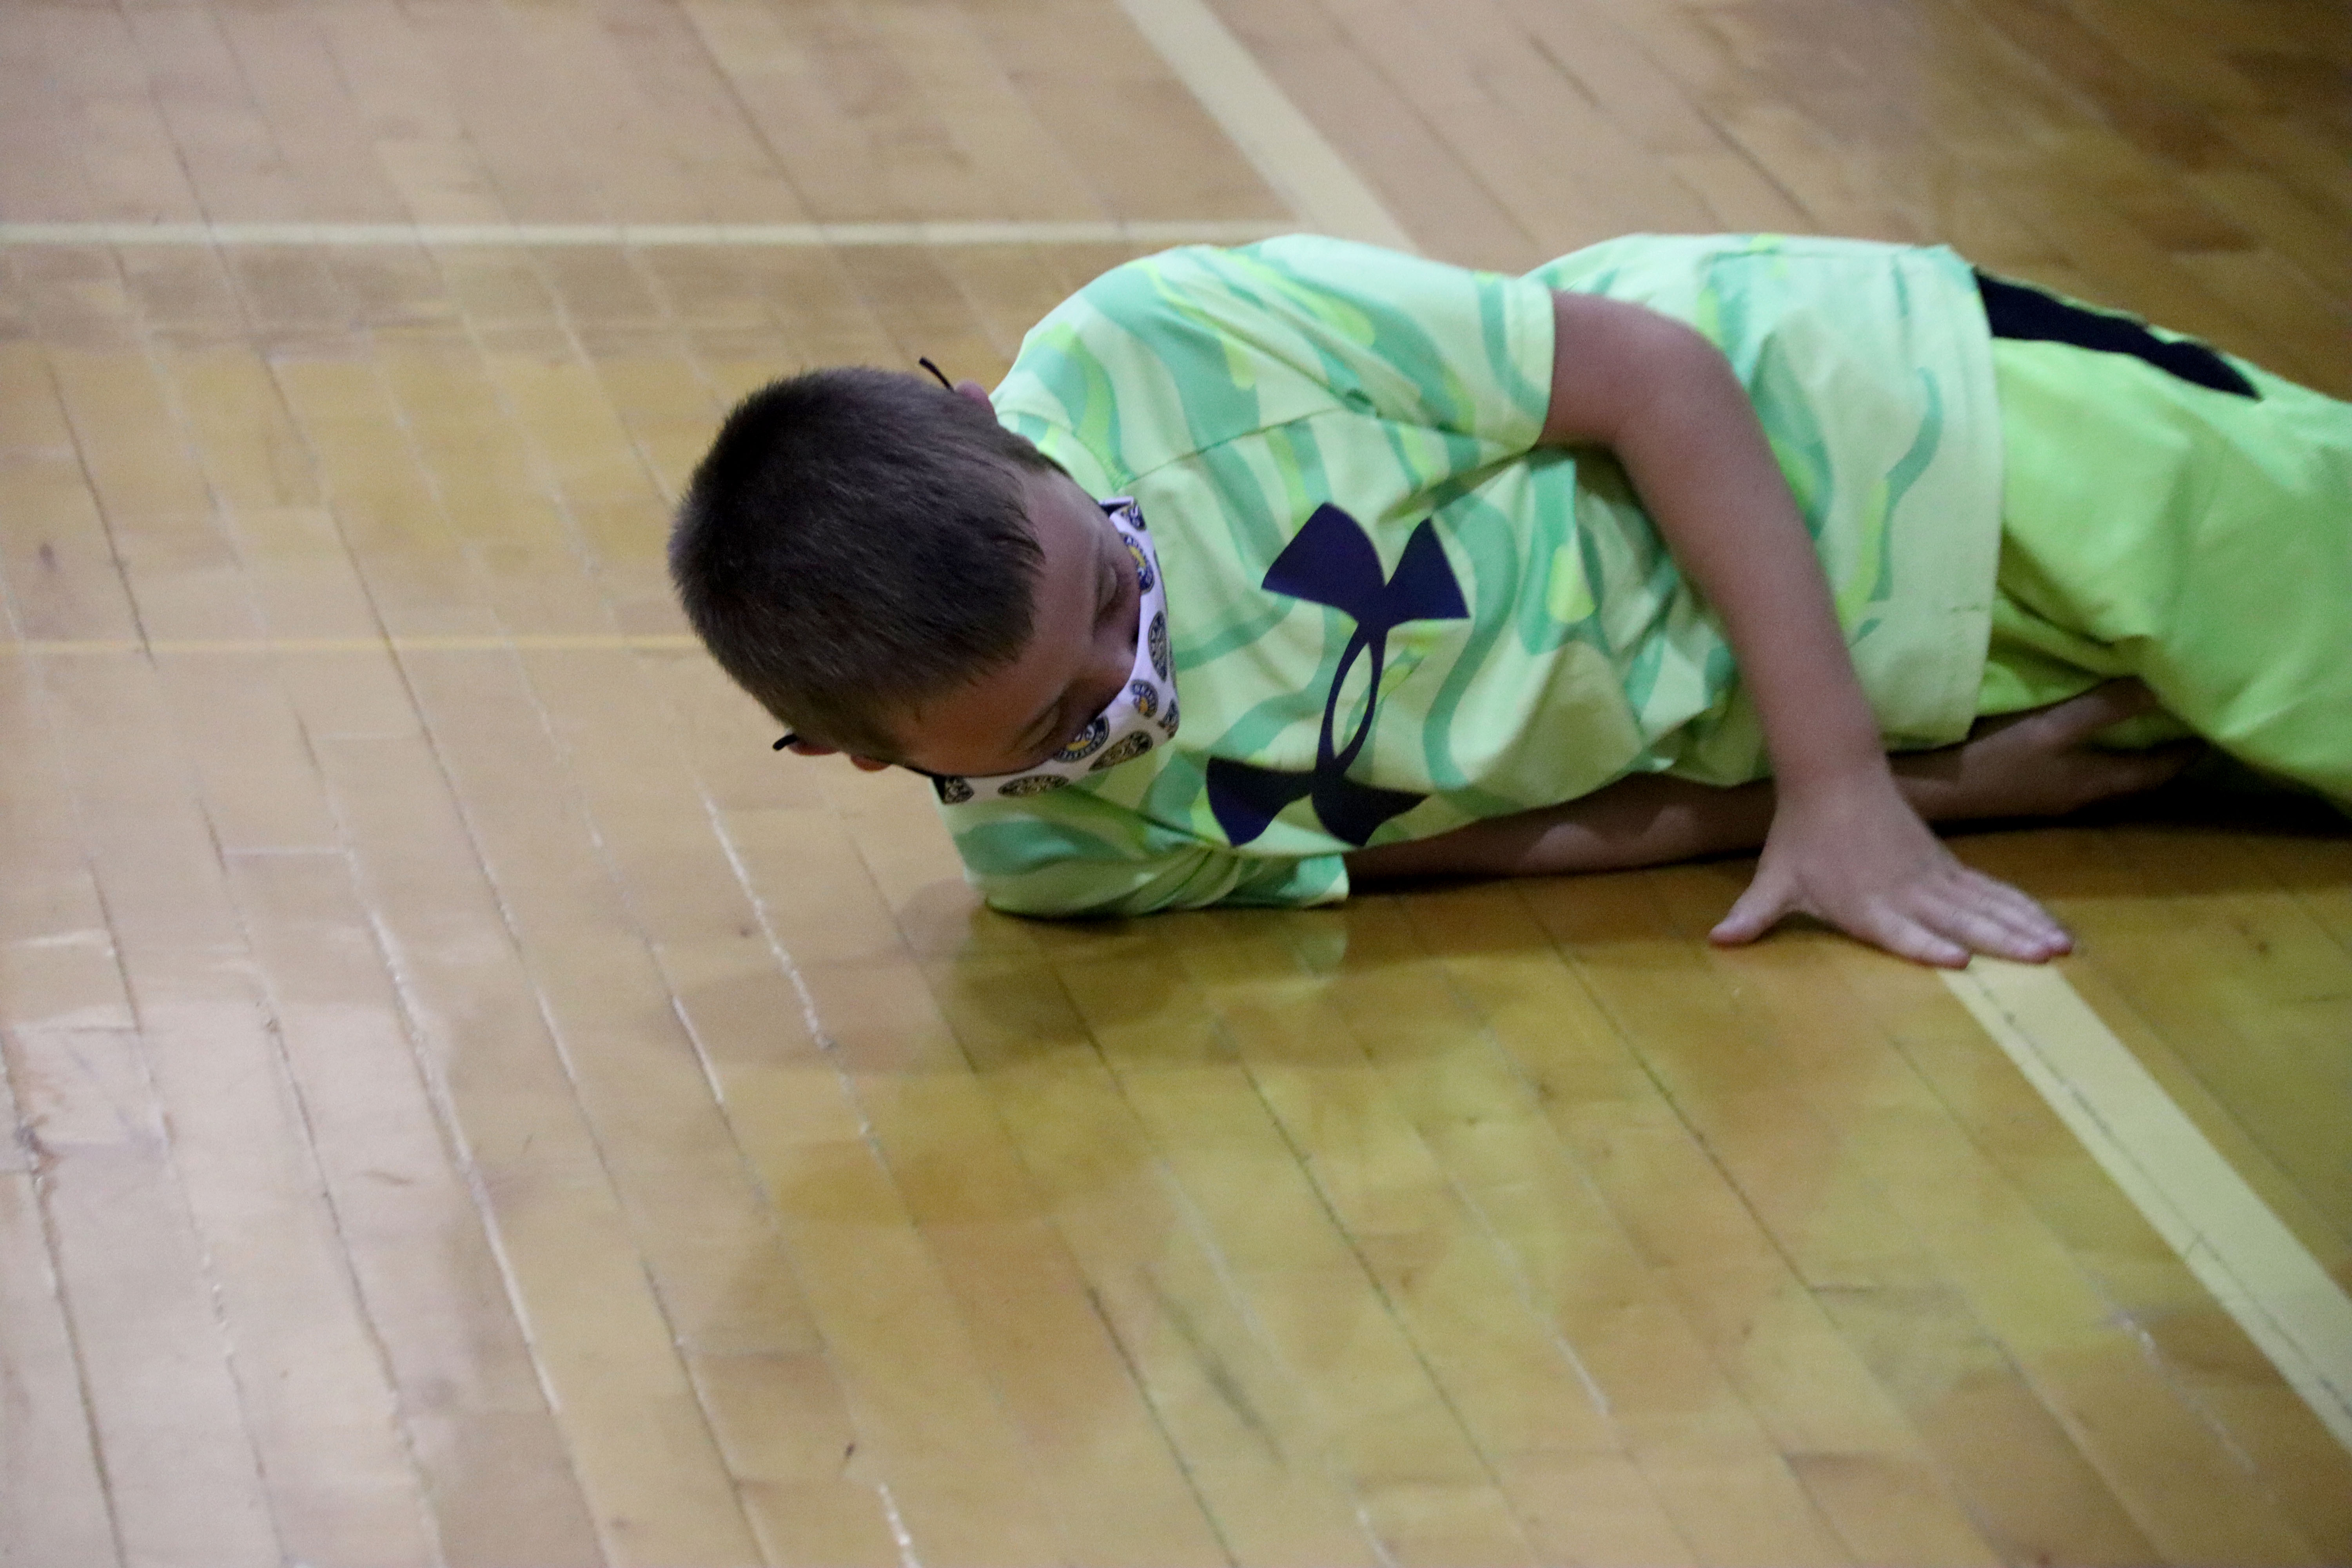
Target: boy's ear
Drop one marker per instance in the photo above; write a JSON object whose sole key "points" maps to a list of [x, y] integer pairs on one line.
{"points": [[972, 390], [801, 748]]}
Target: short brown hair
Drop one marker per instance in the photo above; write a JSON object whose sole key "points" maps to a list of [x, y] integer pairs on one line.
{"points": [[855, 542]]}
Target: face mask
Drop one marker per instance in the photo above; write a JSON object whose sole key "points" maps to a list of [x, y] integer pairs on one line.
{"points": [[1142, 716]]}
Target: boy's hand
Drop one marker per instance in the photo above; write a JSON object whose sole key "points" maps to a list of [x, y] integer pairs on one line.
{"points": [[1857, 856], [2041, 763], [1843, 844]]}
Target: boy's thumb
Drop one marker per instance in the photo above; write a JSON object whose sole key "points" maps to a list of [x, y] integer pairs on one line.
{"points": [[1758, 910]]}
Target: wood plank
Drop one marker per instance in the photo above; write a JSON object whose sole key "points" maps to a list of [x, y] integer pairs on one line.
{"points": [[128, 152], [218, 134], [50, 1487], [315, 1403], [1251, 1446], [501, 1484], [182, 1477], [596, 1328], [58, 967]]}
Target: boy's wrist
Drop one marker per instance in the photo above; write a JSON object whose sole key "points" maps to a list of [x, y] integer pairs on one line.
{"points": [[1830, 753], [1851, 787]]}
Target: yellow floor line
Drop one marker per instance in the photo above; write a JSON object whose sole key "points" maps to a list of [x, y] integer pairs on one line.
{"points": [[1290, 155], [2232, 1242], [521, 642]]}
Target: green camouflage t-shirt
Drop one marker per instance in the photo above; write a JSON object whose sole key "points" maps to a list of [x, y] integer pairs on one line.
{"points": [[1390, 613]]}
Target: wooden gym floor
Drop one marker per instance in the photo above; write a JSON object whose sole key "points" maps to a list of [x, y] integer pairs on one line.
{"points": [[474, 1104]]}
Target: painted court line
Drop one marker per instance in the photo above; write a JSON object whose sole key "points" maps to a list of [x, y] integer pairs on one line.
{"points": [[2225, 1233], [1290, 155], [1141, 232]]}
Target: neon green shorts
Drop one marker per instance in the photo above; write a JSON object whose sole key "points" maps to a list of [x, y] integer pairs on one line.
{"points": [[2199, 541]]}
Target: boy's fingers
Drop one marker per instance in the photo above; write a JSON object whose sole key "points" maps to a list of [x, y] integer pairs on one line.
{"points": [[1941, 920], [1978, 913], [2101, 708], [2003, 935], [1906, 936], [2016, 908], [2162, 765], [2113, 773], [2035, 932]]}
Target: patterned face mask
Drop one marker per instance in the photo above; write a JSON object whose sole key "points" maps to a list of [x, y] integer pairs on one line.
{"points": [[1142, 715]]}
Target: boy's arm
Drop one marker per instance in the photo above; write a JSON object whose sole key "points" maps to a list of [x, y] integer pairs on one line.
{"points": [[1843, 845], [2037, 764]]}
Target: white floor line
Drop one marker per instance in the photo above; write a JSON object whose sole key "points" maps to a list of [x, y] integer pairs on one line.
{"points": [[1289, 152], [2228, 1238], [1155, 232]]}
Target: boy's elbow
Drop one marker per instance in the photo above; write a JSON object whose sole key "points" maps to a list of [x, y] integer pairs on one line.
{"points": [[1078, 890], [1615, 364], [1050, 904]]}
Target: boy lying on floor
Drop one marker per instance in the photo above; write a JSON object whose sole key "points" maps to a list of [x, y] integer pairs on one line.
{"points": [[1276, 570]]}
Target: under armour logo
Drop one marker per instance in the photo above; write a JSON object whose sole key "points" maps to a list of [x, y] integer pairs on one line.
{"points": [[1332, 562]]}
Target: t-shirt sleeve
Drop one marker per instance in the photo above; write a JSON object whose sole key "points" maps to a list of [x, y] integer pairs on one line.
{"points": [[1176, 354], [1080, 857]]}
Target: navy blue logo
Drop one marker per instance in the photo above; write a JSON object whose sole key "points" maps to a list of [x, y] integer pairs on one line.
{"points": [[1333, 562]]}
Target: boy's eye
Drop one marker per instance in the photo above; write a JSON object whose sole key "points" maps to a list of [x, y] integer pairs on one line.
{"points": [[1106, 600]]}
